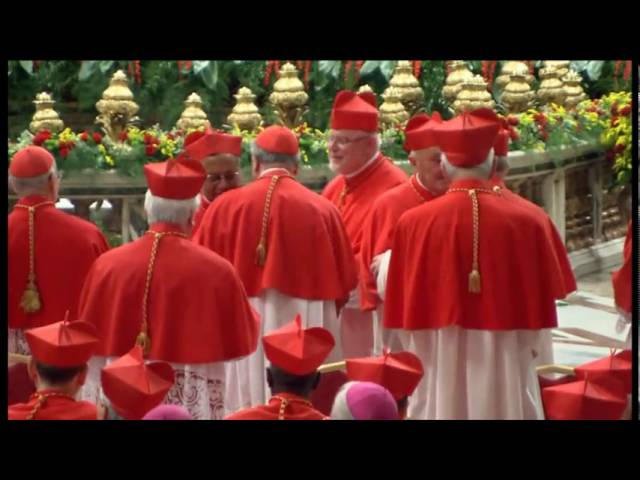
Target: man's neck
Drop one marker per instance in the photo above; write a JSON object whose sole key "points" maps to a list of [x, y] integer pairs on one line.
{"points": [[273, 167], [277, 391], [64, 389], [362, 168]]}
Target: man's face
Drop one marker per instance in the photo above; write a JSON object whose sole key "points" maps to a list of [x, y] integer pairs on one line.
{"points": [[427, 164], [222, 174], [349, 150]]}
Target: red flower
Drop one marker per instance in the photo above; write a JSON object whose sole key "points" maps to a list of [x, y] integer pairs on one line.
{"points": [[513, 134], [97, 137], [540, 118], [614, 121], [41, 137], [64, 151], [124, 136], [625, 111], [544, 135], [619, 148], [171, 136], [84, 136], [148, 138], [150, 150], [614, 109], [513, 121], [610, 155]]}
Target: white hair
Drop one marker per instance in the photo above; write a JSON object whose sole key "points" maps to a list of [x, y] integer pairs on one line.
{"points": [[482, 171], [340, 409], [270, 158], [25, 186], [161, 209]]}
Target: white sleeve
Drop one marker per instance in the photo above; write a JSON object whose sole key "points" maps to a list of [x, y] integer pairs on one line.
{"points": [[382, 266]]}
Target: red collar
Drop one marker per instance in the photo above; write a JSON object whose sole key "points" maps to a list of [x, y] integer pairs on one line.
{"points": [[469, 183], [165, 227], [34, 200], [361, 177], [281, 172]]}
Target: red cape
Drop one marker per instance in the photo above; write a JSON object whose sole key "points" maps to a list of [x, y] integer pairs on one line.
{"points": [[65, 248], [561, 252], [377, 234], [198, 310], [308, 252], [428, 287], [362, 190], [297, 409], [55, 408], [622, 278]]}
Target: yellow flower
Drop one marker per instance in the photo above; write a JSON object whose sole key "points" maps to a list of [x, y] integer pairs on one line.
{"points": [[109, 161]]}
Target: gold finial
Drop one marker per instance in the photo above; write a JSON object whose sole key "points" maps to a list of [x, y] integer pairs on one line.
{"points": [[573, 90], [392, 111], [551, 89], [116, 108], [289, 97], [517, 95], [473, 94], [459, 72], [245, 114], [45, 117], [193, 116], [407, 86]]}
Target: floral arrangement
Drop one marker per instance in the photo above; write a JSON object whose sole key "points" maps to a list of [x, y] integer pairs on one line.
{"points": [[604, 122]]}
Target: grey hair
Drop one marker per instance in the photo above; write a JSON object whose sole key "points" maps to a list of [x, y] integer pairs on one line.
{"points": [[25, 186], [168, 210], [269, 157], [340, 409], [482, 171]]}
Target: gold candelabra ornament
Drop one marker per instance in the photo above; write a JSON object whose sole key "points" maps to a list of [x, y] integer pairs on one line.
{"points": [[408, 86], [117, 108], [517, 95], [551, 89], [45, 117], [193, 115], [473, 95], [365, 88], [561, 66], [573, 91], [510, 68], [245, 114], [289, 97], [459, 72], [392, 111]]}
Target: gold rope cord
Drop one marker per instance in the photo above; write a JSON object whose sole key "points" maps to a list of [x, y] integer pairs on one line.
{"points": [[475, 285], [30, 301], [261, 249], [143, 338]]}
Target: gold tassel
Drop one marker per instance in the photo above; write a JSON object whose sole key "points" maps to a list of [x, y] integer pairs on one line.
{"points": [[474, 281], [30, 301], [145, 342], [261, 254]]}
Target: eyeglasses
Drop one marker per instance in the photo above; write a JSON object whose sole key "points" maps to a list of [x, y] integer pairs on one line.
{"points": [[228, 176], [344, 141]]}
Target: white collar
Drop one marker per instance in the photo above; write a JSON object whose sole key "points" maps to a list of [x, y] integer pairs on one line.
{"points": [[362, 168], [422, 185]]}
